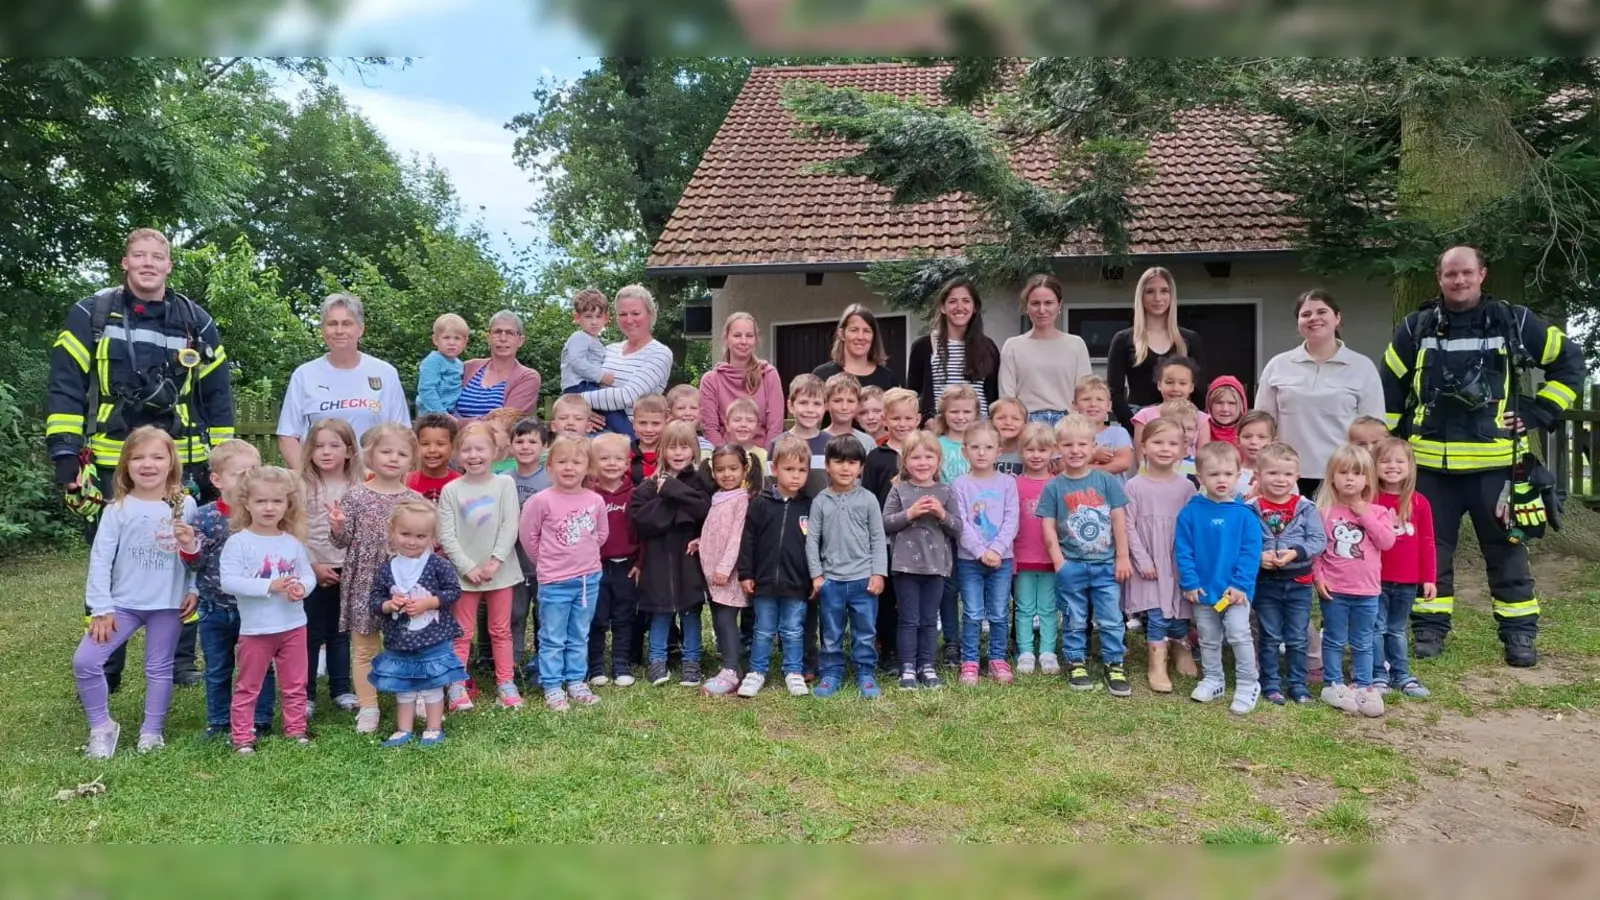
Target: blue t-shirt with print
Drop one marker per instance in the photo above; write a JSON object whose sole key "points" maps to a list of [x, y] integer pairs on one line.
{"points": [[1082, 510]]}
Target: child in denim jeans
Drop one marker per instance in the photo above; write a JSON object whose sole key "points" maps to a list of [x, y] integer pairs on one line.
{"points": [[1086, 533], [773, 570], [1349, 576], [1409, 567], [847, 555], [1292, 538]]}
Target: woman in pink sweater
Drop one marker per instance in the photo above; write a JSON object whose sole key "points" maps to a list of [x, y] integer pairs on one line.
{"points": [[741, 374], [500, 380], [1349, 576], [719, 552]]}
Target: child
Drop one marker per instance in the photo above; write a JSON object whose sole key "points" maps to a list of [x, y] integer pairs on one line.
{"points": [[583, 356], [359, 523], [743, 423], [1155, 498], [266, 568], [847, 559], [1292, 537], [569, 415], [958, 409], [921, 517], [988, 505], [1225, 408], [1113, 448], [413, 598], [773, 570], [649, 420], [1257, 429], [618, 606], [1184, 413], [478, 518], [1349, 576], [328, 469], [1086, 534], [1368, 432], [1009, 417], [439, 375], [1218, 549], [563, 530], [436, 445], [668, 511], [219, 614], [1176, 378], [1035, 584], [528, 440], [842, 395], [503, 421], [683, 405], [719, 555], [807, 404], [1409, 567], [869, 413], [136, 580], [900, 419]]}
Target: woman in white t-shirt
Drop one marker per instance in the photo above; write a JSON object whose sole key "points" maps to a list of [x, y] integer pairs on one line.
{"points": [[343, 383]]}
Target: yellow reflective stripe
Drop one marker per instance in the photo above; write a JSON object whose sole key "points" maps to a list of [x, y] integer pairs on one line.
{"points": [[1462, 449], [75, 349], [107, 451], [1446, 605], [1559, 394], [104, 358], [1393, 361], [63, 423], [1553, 339], [220, 434], [1392, 420], [1512, 610], [219, 359]]}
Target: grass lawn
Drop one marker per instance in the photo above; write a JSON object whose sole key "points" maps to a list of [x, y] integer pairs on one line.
{"points": [[1032, 762]]}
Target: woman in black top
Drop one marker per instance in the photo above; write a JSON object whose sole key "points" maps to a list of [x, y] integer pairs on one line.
{"points": [[1135, 352], [956, 352], [858, 349]]}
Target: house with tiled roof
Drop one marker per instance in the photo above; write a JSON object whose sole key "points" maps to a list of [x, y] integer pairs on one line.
{"points": [[787, 244]]}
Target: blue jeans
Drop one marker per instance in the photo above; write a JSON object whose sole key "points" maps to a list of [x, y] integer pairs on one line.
{"points": [[1283, 612], [566, 608], [784, 616], [617, 421], [219, 634], [1389, 635], [1347, 621], [1090, 588], [1051, 417], [1159, 627], [988, 596], [848, 603], [693, 640]]}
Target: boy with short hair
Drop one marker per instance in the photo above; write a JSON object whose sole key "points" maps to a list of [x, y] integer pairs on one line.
{"points": [[617, 606], [439, 374], [807, 407], [841, 394], [683, 405], [528, 440], [847, 557], [869, 413], [1187, 415], [1292, 537], [1367, 432], [650, 414], [219, 612], [569, 415], [436, 444], [1256, 430], [774, 570], [1086, 534], [583, 356], [1113, 447], [742, 422], [1218, 549]]}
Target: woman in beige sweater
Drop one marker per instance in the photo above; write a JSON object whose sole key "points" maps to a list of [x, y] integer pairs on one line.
{"points": [[1042, 367]]}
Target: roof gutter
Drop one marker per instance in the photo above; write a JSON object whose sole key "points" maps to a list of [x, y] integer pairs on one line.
{"points": [[796, 268]]}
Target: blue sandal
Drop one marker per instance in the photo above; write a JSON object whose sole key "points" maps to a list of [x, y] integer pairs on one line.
{"points": [[400, 739], [433, 741]]}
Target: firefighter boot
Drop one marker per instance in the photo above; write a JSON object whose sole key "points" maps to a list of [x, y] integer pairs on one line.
{"points": [[1428, 643], [1520, 651]]}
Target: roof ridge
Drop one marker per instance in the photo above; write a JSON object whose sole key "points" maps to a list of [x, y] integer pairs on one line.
{"points": [[848, 67]]}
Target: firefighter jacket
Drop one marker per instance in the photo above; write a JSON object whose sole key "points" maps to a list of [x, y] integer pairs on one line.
{"points": [[158, 363], [1448, 381]]}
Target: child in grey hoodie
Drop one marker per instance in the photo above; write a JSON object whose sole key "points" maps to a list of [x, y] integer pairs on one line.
{"points": [[848, 559]]}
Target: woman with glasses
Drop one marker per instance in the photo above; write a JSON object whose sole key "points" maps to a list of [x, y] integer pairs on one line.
{"points": [[500, 380]]}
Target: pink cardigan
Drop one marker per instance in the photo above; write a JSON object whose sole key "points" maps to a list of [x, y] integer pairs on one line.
{"points": [[719, 545], [725, 384], [522, 388]]}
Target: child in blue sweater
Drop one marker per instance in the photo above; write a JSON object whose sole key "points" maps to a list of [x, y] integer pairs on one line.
{"points": [[1218, 547], [439, 374]]}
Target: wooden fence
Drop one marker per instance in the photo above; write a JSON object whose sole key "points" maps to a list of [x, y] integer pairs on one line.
{"points": [[1574, 449], [256, 421]]}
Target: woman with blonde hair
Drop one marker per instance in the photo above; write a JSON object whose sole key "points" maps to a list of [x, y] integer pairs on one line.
{"points": [[1137, 352], [741, 374]]}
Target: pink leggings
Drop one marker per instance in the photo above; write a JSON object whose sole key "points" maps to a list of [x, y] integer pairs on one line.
{"points": [[499, 628], [257, 653]]}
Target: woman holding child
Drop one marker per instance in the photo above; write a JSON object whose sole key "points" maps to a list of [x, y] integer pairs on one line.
{"points": [[500, 380], [1136, 353], [639, 364]]}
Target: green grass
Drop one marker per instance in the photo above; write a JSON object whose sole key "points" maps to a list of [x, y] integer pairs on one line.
{"points": [[1032, 762]]}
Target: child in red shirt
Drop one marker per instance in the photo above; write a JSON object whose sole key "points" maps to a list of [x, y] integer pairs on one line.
{"points": [[436, 443], [1409, 567]]}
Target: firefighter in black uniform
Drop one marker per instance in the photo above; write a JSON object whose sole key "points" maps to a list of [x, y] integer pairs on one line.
{"points": [[1451, 387], [138, 354]]}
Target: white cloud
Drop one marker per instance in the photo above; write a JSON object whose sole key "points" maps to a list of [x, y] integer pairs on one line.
{"points": [[365, 13]]}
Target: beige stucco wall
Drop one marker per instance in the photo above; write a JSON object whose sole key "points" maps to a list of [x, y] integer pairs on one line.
{"points": [[1272, 281]]}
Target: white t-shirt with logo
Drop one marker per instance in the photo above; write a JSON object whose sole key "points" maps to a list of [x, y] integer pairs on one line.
{"points": [[364, 396]]}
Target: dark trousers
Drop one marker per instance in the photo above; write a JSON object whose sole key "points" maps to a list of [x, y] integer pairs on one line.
{"points": [[616, 611], [950, 613], [811, 639], [730, 642], [919, 597], [1309, 487], [1452, 496], [322, 633], [888, 623]]}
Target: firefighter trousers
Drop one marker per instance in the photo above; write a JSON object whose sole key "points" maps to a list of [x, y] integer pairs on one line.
{"points": [[1452, 496]]}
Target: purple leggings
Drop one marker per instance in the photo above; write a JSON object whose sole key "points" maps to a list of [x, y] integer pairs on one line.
{"points": [[161, 628]]}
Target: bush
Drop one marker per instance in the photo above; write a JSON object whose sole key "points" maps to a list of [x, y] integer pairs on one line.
{"points": [[31, 511]]}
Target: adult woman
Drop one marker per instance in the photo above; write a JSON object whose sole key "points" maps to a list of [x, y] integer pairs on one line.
{"points": [[343, 383], [858, 349], [640, 363], [1042, 367], [1136, 352], [741, 374], [1317, 389], [500, 380], [956, 352]]}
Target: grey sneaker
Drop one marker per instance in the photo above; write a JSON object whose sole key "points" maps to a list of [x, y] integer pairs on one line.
{"points": [[1025, 663], [689, 674], [658, 673], [367, 720], [149, 742], [103, 741], [1415, 690], [1369, 702], [929, 678], [346, 702], [1340, 697], [1244, 698], [753, 683], [1048, 664], [1208, 690]]}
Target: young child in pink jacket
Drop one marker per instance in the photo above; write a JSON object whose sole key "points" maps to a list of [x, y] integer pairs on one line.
{"points": [[719, 553], [1349, 576]]}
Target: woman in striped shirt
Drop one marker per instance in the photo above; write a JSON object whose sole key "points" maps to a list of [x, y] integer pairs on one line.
{"points": [[500, 380], [956, 352], [640, 363]]}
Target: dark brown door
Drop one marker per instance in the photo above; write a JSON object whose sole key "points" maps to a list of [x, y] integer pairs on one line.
{"points": [[1228, 333], [798, 349]]}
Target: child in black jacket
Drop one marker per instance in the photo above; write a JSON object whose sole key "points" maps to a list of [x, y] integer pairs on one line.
{"points": [[668, 510], [772, 567]]}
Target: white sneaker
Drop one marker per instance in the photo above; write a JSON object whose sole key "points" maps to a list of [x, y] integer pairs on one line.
{"points": [[796, 683], [1244, 698], [1208, 690], [599, 681], [367, 720], [149, 742], [103, 741], [623, 681], [1135, 624], [1048, 664], [1025, 662], [753, 682], [346, 702]]}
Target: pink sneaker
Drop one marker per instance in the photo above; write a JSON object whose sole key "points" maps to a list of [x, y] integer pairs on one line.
{"points": [[969, 674], [460, 700], [1000, 671]]}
